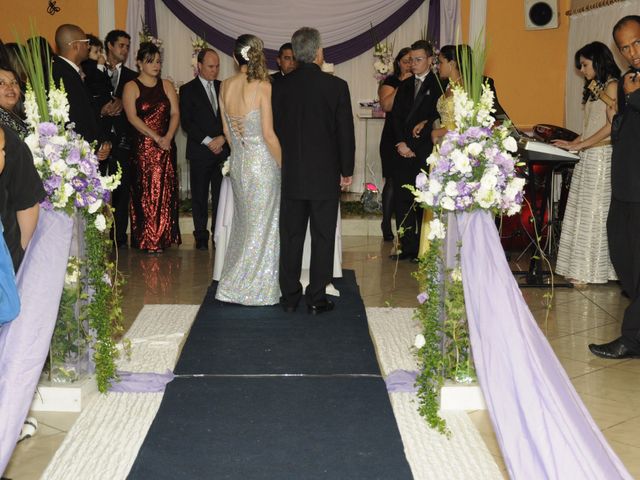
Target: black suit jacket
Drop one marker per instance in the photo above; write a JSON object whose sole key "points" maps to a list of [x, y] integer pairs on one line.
{"points": [[199, 121], [119, 126], [314, 122], [81, 111], [407, 112]]}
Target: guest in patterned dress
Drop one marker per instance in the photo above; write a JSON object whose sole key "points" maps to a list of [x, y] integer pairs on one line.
{"points": [[151, 105], [583, 255]]}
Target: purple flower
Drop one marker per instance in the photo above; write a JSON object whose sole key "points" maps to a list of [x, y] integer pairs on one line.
{"points": [[47, 129], [423, 297], [79, 184], [46, 204], [51, 183], [421, 181], [74, 156]]}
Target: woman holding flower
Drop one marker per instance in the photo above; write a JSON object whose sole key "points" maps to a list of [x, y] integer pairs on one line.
{"points": [[583, 254], [151, 105], [386, 94]]}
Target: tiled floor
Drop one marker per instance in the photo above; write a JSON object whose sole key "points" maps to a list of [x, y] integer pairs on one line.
{"points": [[610, 389]]}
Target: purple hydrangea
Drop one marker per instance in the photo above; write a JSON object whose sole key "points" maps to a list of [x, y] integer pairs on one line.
{"points": [[423, 297]]}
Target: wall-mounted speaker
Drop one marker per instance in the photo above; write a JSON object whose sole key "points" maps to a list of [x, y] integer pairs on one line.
{"points": [[540, 14]]}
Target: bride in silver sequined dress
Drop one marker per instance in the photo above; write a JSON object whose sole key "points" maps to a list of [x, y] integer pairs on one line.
{"points": [[250, 271]]}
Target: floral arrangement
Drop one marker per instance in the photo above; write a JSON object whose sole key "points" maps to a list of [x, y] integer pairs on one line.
{"points": [[383, 60], [69, 171], [197, 44], [146, 36], [472, 169], [224, 168]]}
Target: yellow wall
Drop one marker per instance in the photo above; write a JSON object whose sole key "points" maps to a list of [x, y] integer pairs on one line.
{"points": [[84, 13], [528, 66]]}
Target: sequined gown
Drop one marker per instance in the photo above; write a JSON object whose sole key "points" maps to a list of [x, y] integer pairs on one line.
{"points": [[154, 184], [250, 272]]}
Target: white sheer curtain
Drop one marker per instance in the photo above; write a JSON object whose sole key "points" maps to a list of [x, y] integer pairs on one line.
{"points": [[358, 72], [450, 22], [135, 14], [344, 21], [477, 22], [585, 28]]}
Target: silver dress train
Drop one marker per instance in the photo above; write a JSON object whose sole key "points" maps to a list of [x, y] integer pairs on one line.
{"points": [[250, 272]]}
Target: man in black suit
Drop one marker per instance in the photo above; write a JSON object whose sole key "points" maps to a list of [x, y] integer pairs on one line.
{"points": [[314, 122], [623, 221], [117, 44], [415, 101], [206, 146], [286, 62], [73, 48]]}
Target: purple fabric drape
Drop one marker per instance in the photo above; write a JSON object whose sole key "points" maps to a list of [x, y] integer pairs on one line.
{"points": [[141, 382], [333, 53], [433, 23], [24, 343], [150, 17], [543, 428]]}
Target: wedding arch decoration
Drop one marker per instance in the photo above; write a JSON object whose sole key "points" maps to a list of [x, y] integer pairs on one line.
{"points": [[89, 314]]}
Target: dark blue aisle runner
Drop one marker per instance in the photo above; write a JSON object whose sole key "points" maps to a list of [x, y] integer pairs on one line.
{"points": [[312, 406]]}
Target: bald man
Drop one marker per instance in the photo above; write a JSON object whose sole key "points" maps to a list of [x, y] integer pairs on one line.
{"points": [[206, 146], [73, 48]]}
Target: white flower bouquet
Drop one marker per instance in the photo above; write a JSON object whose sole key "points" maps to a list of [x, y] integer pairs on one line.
{"points": [[383, 60]]}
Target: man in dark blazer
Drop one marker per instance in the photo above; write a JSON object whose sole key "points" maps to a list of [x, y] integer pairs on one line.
{"points": [[206, 146], [115, 123], [73, 48], [286, 62], [314, 122], [415, 101]]}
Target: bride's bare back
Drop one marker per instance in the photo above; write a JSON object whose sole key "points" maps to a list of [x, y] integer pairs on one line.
{"points": [[239, 97]]}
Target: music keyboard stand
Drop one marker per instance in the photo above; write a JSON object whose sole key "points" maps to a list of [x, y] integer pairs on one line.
{"points": [[536, 276]]}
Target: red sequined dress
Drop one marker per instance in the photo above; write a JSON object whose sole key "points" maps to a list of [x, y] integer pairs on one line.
{"points": [[154, 182]]}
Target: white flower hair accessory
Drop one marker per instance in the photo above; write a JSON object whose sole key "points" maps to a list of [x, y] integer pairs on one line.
{"points": [[244, 52]]}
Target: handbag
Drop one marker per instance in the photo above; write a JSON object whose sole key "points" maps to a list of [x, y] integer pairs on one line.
{"points": [[9, 299]]}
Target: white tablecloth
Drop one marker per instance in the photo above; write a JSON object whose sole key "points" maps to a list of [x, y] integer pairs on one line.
{"points": [[222, 233]]}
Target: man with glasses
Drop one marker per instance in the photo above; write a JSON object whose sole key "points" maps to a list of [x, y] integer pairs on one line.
{"points": [[415, 102], [73, 48]]}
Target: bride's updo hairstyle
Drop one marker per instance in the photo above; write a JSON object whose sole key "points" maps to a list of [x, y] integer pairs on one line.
{"points": [[249, 51]]}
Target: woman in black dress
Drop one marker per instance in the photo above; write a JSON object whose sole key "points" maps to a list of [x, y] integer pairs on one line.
{"points": [[386, 94]]}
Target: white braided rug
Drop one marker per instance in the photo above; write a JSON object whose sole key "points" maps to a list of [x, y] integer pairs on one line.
{"points": [[431, 456], [105, 439]]}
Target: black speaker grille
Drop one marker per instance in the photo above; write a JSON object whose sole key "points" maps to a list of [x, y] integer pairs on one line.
{"points": [[540, 14]]}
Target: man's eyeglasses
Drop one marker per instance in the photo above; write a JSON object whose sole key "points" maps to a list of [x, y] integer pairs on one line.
{"points": [[417, 59], [81, 40]]}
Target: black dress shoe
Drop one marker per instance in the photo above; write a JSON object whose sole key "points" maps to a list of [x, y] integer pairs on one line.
{"points": [[288, 308], [202, 245], [613, 350], [322, 308]]}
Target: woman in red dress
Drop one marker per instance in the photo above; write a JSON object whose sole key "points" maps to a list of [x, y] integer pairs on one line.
{"points": [[151, 105]]}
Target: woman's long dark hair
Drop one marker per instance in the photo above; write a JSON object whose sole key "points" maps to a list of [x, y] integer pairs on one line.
{"points": [[603, 64], [396, 63]]}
